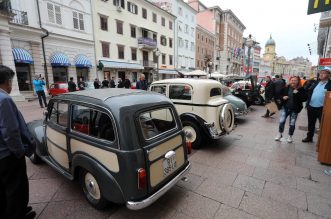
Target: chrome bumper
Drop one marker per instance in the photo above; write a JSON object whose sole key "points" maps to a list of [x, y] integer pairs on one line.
{"points": [[132, 205], [241, 113]]}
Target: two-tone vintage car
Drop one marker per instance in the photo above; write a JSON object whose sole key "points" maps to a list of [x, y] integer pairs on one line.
{"points": [[202, 110], [124, 146]]}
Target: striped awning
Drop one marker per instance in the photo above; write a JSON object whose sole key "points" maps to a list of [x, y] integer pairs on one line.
{"points": [[119, 65], [82, 61], [59, 59], [22, 56]]}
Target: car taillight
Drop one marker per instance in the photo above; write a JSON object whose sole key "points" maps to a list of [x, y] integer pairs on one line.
{"points": [[189, 147], [141, 178]]}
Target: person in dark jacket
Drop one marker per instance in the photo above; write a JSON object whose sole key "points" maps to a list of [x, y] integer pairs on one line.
{"points": [[269, 94], [293, 97], [81, 84], [96, 83], [279, 85], [112, 82], [120, 83], [105, 83], [316, 93], [127, 82], [142, 84], [71, 85]]}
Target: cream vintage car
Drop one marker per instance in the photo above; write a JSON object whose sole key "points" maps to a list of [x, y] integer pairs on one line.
{"points": [[123, 145], [202, 109]]}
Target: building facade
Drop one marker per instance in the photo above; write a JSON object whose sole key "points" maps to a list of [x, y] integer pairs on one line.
{"points": [[205, 47], [185, 32], [133, 37], [270, 50]]}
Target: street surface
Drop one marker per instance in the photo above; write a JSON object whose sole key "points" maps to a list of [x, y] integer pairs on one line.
{"points": [[243, 175]]}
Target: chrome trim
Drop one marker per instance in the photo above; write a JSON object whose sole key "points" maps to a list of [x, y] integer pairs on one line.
{"points": [[169, 154], [137, 205]]}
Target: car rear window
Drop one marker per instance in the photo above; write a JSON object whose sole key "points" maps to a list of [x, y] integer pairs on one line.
{"points": [[156, 122], [215, 92], [180, 92]]}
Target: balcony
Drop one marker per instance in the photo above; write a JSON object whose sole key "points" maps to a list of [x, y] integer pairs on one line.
{"points": [[147, 63], [19, 17], [147, 43]]}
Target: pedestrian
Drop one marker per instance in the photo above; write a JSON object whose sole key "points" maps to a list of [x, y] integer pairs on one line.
{"points": [[112, 82], [141, 84], [316, 93], [279, 85], [127, 83], [293, 97], [120, 83], [303, 81], [96, 83], [105, 83], [72, 85], [16, 142], [269, 93], [81, 84], [39, 88]]}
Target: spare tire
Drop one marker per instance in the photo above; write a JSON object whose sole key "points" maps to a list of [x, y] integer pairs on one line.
{"points": [[227, 118]]}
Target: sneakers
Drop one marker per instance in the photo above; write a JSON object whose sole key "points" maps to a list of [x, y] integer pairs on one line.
{"points": [[289, 139], [278, 137]]}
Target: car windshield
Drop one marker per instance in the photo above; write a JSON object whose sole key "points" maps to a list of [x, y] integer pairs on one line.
{"points": [[226, 91], [156, 122]]}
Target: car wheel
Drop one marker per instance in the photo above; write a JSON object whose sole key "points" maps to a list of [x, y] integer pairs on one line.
{"points": [[92, 190], [227, 118], [35, 158], [192, 134], [258, 100]]}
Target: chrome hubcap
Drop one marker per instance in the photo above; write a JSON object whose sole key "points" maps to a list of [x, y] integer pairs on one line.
{"points": [[190, 133], [92, 186]]}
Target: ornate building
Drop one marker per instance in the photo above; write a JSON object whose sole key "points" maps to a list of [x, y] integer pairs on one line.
{"points": [[270, 50]]}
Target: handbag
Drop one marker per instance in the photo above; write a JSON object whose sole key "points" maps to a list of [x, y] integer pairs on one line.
{"points": [[272, 107]]}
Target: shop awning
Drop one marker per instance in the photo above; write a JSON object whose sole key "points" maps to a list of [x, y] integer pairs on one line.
{"points": [[22, 56], [59, 59], [82, 61], [119, 65], [168, 71]]}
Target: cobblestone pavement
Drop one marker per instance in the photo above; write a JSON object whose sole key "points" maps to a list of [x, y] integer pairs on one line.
{"points": [[243, 175]]}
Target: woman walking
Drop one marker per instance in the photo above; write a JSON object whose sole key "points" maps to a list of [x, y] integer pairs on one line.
{"points": [[293, 96], [269, 94]]}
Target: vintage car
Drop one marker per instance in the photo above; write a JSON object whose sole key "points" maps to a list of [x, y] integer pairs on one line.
{"points": [[204, 113], [238, 105], [123, 145]]}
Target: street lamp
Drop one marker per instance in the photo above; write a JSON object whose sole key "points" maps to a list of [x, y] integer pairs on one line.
{"points": [[249, 42], [210, 64], [156, 75]]}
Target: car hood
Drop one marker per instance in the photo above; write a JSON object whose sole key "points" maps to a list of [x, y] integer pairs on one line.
{"points": [[239, 103]]}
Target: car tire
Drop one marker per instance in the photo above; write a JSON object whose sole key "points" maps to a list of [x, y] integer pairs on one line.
{"points": [[258, 100], [192, 133], [91, 190], [35, 159], [227, 118]]}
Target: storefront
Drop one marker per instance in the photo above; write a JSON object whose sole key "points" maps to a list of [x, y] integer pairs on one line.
{"points": [[121, 69], [83, 65], [60, 63], [23, 61]]}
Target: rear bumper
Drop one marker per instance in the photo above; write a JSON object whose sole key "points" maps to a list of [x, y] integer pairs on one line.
{"points": [[137, 205], [241, 113]]}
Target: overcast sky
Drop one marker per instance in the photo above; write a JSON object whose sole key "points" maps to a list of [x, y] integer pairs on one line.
{"points": [[286, 20]]}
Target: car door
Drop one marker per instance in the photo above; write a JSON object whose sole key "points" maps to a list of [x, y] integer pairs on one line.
{"points": [[56, 133], [181, 96]]}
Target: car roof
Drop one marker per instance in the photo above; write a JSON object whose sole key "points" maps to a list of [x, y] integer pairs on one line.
{"points": [[191, 81]]}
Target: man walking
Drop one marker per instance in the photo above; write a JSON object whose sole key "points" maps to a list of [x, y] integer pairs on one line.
{"points": [[316, 94], [15, 143], [127, 82], [105, 83], [112, 82], [81, 84], [39, 87], [141, 84], [71, 85]]}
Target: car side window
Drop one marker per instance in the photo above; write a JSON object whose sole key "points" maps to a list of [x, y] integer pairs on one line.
{"points": [[92, 122], [180, 92], [215, 92], [161, 89], [59, 114]]}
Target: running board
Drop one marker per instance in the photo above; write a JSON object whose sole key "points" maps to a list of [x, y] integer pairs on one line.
{"points": [[59, 169]]}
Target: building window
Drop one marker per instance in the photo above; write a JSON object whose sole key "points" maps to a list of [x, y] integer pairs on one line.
{"points": [[54, 13], [163, 59], [186, 28], [154, 57], [154, 18], [192, 31], [78, 20], [119, 3], [170, 42], [134, 54], [180, 11], [163, 40], [198, 36], [180, 42], [133, 31], [180, 27], [186, 44], [132, 8], [192, 46], [170, 60], [120, 51], [144, 13], [154, 36], [104, 23], [163, 21], [105, 49], [170, 25], [119, 26]]}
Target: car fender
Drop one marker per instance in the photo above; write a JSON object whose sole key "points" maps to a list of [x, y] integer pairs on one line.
{"points": [[197, 119], [111, 189], [36, 128]]}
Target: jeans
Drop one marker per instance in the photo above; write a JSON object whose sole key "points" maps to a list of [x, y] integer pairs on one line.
{"points": [[41, 95], [284, 113], [314, 113]]}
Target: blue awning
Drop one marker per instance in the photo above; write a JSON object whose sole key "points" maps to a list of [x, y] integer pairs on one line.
{"points": [[59, 59], [119, 65], [168, 71], [82, 61], [22, 56]]}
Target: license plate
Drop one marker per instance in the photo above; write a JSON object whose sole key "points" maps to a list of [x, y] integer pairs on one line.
{"points": [[169, 165]]}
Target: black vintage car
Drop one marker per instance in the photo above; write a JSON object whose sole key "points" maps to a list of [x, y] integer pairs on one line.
{"points": [[124, 146]]}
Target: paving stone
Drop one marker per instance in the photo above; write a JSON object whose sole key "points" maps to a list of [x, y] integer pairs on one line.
{"points": [[226, 212], [315, 188], [42, 190], [208, 159], [285, 195], [38, 208], [319, 205], [275, 177], [31, 168], [289, 169], [192, 183], [279, 156], [198, 168], [308, 215], [249, 184], [248, 151], [257, 162], [235, 156], [45, 172], [309, 162], [267, 208], [321, 177], [236, 167], [220, 176], [69, 191], [220, 192]]}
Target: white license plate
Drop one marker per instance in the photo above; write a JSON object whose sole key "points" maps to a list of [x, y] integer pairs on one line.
{"points": [[169, 165]]}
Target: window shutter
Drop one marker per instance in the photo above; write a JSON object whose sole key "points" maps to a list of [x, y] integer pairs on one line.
{"points": [[75, 19], [50, 10], [81, 21], [58, 14]]}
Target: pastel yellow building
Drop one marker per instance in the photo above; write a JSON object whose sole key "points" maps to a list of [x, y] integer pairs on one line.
{"points": [[270, 50]]}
